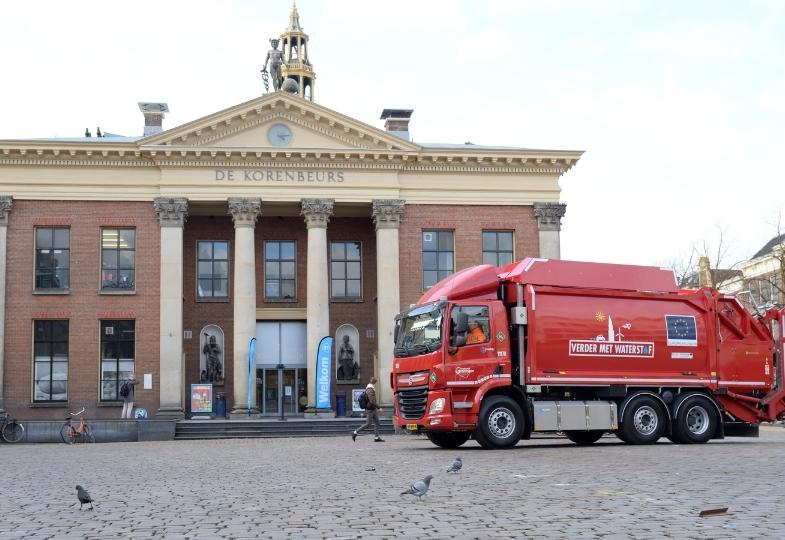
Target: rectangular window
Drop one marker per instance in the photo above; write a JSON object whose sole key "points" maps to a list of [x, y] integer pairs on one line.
{"points": [[280, 267], [117, 356], [50, 352], [118, 259], [345, 269], [438, 257], [52, 258], [497, 247], [212, 269]]}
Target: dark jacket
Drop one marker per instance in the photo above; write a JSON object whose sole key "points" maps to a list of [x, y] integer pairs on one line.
{"points": [[370, 391], [130, 397]]}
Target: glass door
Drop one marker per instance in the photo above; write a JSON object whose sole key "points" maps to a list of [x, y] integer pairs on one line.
{"points": [[270, 393]]}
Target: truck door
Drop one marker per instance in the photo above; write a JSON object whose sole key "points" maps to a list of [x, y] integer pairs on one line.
{"points": [[471, 358]]}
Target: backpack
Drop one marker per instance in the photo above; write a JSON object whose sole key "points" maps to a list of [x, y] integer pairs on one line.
{"points": [[125, 389], [362, 400]]}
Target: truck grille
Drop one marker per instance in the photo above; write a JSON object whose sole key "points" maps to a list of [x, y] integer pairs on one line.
{"points": [[412, 401]]}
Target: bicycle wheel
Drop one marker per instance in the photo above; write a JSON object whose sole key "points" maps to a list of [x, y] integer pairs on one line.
{"points": [[87, 435], [67, 434], [13, 431]]}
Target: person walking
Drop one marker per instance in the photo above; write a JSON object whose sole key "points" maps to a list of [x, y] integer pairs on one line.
{"points": [[372, 411], [127, 394]]}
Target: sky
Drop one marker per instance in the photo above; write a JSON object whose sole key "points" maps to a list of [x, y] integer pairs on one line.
{"points": [[678, 105]]}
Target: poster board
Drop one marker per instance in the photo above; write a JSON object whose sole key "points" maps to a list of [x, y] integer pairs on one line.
{"points": [[355, 396], [201, 399]]}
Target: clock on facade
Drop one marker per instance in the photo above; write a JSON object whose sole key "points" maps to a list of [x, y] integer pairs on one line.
{"points": [[279, 135]]}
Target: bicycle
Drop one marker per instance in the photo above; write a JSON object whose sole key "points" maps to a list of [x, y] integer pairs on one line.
{"points": [[81, 433], [12, 431]]}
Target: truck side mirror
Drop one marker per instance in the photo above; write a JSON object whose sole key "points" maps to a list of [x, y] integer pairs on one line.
{"points": [[461, 323], [459, 329]]}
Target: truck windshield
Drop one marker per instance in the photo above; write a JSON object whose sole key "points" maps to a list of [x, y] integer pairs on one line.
{"points": [[420, 330]]}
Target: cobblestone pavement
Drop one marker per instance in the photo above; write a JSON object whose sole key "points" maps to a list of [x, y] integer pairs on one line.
{"points": [[333, 488]]}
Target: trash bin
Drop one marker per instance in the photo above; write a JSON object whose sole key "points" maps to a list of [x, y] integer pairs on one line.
{"points": [[220, 404], [340, 404]]}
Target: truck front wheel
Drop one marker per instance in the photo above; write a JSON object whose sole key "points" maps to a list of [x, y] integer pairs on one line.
{"points": [[501, 423], [643, 421], [448, 439], [696, 421]]}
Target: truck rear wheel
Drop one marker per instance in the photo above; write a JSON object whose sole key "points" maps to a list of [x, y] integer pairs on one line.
{"points": [[448, 439], [696, 421], [584, 437], [644, 421], [501, 423]]}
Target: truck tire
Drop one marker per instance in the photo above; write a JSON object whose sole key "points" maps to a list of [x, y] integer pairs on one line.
{"points": [[584, 437], [696, 421], [448, 439], [644, 421], [501, 423]]}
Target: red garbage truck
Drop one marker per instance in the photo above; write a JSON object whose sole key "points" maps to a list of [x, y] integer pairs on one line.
{"points": [[583, 349]]}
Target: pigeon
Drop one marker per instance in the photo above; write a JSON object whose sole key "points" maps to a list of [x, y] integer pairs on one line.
{"points": [[455, 466], [84, 497], [420, 487]]}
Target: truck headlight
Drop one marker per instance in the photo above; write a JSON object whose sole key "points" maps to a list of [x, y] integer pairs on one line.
{"points": [[437, 405]]}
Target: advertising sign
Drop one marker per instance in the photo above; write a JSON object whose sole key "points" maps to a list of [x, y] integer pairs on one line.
{"points": [[202, 398], [251, 373], [355, 397], [323, 372]]}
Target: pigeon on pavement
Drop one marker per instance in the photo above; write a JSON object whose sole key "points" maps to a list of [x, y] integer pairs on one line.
{"points": [[84, 497], [420, 487], [455, 466]]}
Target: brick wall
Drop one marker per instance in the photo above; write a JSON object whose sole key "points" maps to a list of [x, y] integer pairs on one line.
{"points": [[83, 306], [467, 222]]}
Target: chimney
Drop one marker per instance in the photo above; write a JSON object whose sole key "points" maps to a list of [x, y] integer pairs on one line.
{"points": [[153, 117], [396, 121]]}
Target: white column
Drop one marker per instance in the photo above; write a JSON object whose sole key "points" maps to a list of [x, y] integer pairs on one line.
{"points": [[549, 221], [171, 213], [387, 217], [317, 213], [5, 208], [245, 212]]}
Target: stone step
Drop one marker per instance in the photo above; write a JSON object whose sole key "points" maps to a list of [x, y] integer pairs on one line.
{"points": [[220, 429]]}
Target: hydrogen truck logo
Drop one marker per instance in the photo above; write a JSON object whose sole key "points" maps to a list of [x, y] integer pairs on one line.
{"points": [[613, 345]]}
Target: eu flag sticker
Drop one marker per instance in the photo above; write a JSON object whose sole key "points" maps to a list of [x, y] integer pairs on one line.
{"points": [[681, 330]]}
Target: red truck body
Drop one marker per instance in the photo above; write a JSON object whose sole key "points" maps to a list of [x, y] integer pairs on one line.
{"points": [[584, 349]]}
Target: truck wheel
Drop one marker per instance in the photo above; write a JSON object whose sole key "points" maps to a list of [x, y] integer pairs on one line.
{"points": [[696, 422], [501, 423], [448, 439], [584, 437], [644, 421]]}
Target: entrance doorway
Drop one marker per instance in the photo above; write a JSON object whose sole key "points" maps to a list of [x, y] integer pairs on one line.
{"points": [[281, 343], [281, 389]]}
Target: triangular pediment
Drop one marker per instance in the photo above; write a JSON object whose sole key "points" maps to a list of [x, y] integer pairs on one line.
{"points": [[306, 126]]}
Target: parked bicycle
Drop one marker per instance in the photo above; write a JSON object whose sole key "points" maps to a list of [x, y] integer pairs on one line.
{"points": [[81, 433], [12, 431]]}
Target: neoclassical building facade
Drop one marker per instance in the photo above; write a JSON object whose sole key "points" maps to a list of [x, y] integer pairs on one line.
{"points": [[276, 219]]}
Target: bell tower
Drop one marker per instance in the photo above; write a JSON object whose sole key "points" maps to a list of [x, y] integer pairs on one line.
{"points": [[296, 65]]}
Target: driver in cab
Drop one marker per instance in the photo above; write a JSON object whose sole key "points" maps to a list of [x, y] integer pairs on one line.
{"points": [[475, 334]]}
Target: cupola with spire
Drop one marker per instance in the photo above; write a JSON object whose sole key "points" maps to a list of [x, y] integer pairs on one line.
{"points": [[296, 65]]}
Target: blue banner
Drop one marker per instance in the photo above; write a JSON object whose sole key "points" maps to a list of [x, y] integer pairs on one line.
{"points": [[251, 372], [323, 357]]}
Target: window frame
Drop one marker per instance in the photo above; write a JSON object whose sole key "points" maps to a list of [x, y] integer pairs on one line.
{"points": [[497, 251], [51, 341], [53, 269], [279, 261], [345, 262], [102, 324], [228, 260], [118, 268], [437, 251]]}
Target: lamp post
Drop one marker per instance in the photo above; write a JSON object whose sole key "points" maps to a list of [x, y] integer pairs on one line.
{"points": [[279, 367]]}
